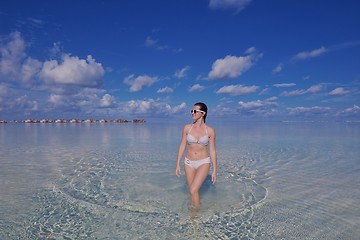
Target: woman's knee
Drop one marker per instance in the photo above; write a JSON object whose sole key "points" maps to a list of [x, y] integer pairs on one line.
{"points": [[194, 189]]}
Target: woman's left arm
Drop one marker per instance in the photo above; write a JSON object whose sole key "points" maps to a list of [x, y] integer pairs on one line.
{"points": [[213, 154]]}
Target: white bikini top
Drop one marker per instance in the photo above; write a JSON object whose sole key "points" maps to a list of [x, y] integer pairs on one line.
{"points": [[204, 140]]}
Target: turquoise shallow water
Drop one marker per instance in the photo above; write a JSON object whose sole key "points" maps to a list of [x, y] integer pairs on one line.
{"points": [[116, 181]]}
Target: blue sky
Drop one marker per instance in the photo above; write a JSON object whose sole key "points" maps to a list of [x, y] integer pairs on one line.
{"points": [[246, 59]]}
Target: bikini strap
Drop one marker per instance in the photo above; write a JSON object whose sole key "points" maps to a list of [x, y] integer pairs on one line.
{"points": [[190, 128]]}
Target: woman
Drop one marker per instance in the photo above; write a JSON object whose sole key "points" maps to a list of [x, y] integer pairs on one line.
{"points": [[199, 139]]}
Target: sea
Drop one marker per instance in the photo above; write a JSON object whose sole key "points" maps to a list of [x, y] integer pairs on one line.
{"points": [[276, 180]]}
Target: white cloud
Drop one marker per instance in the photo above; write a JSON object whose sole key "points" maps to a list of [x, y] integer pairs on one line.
{"points": [[179, 108], [238, 5], [196, 88], [55, 50], [237, 90], [278, 68], [68, 86], [272, 99], [232, 67], [4, 92], [25, 103], [144, 106], [137, 83], [36, 22], [315, 88], [263, 108], [29, 69], [251, 50], [182, 72], [339, 91], [350, 112], [149, 42], [165, 90], [309, 111], [312, 89], [107, 100], [151, 107], [310, 54], [293, 93], [178, 50], [264, 91], [12, 53], [73, 71], [138, 106], [15, 65], [14, 102], [284, 85], [59, 100], [258, 103], [84, 101], [153, 43]]}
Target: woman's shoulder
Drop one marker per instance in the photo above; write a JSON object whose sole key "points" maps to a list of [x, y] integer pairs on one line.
{"points": [[187, 126], [210, 129]]}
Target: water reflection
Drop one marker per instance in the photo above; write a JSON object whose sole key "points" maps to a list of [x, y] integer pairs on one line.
{"points": [[116, 181]]}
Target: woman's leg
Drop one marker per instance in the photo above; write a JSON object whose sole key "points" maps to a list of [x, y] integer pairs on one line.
{"points": [[190, 174], [195, 179]]}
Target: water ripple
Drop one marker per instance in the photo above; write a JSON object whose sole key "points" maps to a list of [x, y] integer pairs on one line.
{"points": [[102, 195]]}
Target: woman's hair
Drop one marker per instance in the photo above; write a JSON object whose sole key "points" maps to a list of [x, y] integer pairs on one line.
{"points": [[203, 107]]}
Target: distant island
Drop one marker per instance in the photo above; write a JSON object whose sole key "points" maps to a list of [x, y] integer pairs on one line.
{"points": [[74, 121]]}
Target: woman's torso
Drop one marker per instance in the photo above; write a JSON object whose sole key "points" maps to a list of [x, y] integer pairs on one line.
{"points": [[197, 142]]}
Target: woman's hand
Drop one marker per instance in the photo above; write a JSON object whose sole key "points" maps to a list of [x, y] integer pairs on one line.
{"points": [[177, 171], [213, 177]]}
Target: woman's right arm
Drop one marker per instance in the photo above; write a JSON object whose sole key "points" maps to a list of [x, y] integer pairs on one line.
{"points": [[181, 151]]}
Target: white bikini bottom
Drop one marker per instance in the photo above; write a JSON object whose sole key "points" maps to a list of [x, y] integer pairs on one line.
{"points": [[195, 164]]}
